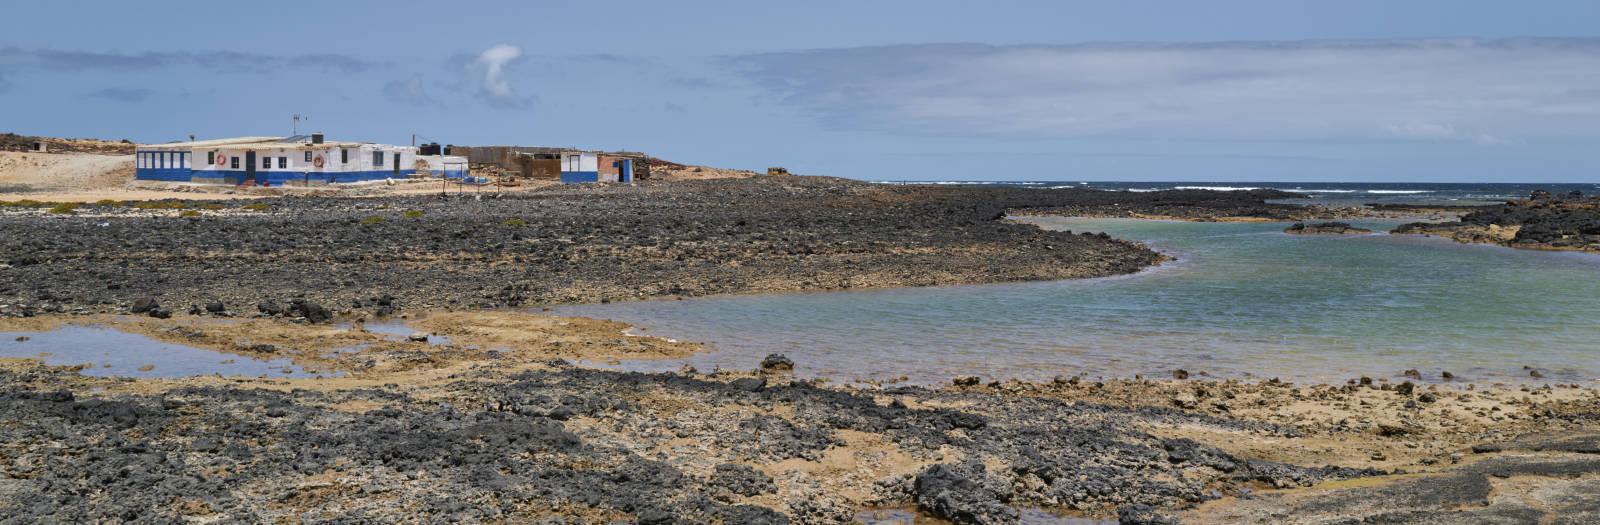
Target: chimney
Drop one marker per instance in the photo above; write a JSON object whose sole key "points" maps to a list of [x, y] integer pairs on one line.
{"points": [[316, 138]]}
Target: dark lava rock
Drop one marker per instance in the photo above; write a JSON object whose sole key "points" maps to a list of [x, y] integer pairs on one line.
{"points": [[742, 480], [657, 517], [1331, 228], [1141, 514], [1405, 388], [1413, 373], [216, 307], [161, 313], [1544, 220], [1188, 451], [775, 363], [313, 312], [749, 384], [272, 308], [963, 493], [966, 381], [1180, 374], [144, 304], [808, 233]]}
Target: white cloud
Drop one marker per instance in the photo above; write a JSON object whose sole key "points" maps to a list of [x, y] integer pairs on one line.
{"points": [[493, 61], [1467, 90]]}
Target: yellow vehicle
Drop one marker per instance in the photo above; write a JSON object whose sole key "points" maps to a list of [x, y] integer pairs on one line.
{"points": [[777, 170]]}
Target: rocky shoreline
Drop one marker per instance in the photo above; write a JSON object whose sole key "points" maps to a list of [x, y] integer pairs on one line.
{"points": [[562, 244], [1543, 221], [481, 417], [1188, 205], [509, 437]]}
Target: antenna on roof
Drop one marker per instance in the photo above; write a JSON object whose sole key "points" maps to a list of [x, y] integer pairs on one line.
{"points": [[296, 127]]}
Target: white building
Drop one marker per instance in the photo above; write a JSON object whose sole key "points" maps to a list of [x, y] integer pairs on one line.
{"points": [[277, 161], [580, 166]]}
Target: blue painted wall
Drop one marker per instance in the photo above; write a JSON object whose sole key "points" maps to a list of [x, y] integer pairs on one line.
{"points": [[275, 178], [580, 176]]}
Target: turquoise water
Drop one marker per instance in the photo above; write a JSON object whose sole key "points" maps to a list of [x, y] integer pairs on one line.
{"points": [[1243, 300]]}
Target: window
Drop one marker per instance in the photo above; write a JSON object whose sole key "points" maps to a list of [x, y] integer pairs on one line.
{"points": [[234, 162], [344, 156], [211, 157], [308, 156], [377, 159], [266, 162], [283, 162]]}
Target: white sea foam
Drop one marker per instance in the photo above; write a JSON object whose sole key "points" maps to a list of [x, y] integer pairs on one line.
{"points": [[1399, 192], [1323, 191], [1217, 188], [1143, 190]]}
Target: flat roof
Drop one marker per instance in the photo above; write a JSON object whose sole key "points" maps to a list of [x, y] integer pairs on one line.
{"points": [[253, 143]]}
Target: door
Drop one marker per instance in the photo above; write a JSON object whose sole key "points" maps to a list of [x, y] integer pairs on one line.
{"points": [[625, 170], [249, 167], [397, 165]]}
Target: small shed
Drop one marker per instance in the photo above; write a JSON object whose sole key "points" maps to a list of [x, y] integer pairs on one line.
{"points": [[580, 166], [618, 167], [41, 146]]}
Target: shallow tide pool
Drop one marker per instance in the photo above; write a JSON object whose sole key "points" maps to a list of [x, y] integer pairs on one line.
{"points": [[110, 352], [1243, 300]]}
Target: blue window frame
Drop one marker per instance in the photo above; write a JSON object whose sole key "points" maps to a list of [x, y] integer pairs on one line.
{"points": [[283, 163]]}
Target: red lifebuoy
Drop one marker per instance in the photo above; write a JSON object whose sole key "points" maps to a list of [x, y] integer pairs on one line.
{"points": [[318, 162], [222, 159]]}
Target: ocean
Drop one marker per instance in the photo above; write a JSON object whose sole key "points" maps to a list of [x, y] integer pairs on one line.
{"points": [[1242, 300], [1323, 193]]}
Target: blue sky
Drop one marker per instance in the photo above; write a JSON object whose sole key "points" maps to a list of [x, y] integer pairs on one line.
{"points": [[876, 90]]}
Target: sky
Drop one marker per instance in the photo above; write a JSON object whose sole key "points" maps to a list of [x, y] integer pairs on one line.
{"points": [[1413, 91]]}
